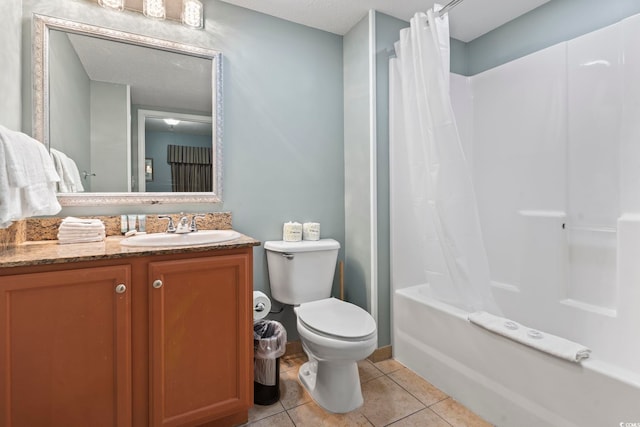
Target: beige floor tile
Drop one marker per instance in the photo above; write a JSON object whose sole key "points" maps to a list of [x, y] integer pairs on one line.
{"points": [[457, 415], [417, 386], [386, 402], [368, 371], [424, 418], [258, 412], [293, 361], [278, 420], [388, 366], [312, 415], [291, 391]]}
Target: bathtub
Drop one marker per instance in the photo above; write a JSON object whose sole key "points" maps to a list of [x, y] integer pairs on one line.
{"points": [[507, 383]]}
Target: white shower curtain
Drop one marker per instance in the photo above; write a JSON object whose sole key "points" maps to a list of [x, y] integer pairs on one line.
{"points": [[427, 150]]}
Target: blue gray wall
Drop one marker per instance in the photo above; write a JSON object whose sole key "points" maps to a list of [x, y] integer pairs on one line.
{"points": [[551, 23], [283, 142], [10, 58], [283, 117]]}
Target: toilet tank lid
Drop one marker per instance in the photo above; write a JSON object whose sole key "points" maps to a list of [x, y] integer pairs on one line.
{"points": [[302, 246]]}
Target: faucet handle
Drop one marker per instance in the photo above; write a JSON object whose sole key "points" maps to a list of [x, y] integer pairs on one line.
{"points": [[171, 228], [194, 222]]}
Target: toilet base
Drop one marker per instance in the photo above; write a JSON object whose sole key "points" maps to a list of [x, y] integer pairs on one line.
{"points": [[335, 386]]}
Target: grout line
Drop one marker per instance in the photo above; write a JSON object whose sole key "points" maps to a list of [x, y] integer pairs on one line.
{"points": [[406, 416], [413, 413], [422, 379], [424, 404], [410, 394], [368, 420], [441, 417], [441, 400], [289, 415]]}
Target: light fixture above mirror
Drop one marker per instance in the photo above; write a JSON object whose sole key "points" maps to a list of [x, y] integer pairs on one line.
{"points": [[192, 13], [154, 9], [112, 4], [189, 12]]}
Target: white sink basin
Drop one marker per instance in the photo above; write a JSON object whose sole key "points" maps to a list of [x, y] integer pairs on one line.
{"points": [[202, 237]]}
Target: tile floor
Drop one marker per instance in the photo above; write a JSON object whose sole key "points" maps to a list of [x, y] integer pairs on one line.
{"points": [[393, 396]]}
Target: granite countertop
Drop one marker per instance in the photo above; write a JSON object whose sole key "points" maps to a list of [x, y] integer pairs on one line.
{"points": [[50, 252]]}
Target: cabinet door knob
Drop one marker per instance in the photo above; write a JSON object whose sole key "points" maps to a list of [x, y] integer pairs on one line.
{"points": [[157, 284], [121, 288]]}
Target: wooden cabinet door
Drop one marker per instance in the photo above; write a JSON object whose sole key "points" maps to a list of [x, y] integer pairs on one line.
{"points": [[200, 339], [65, 351]]}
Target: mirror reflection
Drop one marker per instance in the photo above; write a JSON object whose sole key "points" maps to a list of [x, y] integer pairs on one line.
{"points": [[101, 83], [176, 149], [124, 113]]}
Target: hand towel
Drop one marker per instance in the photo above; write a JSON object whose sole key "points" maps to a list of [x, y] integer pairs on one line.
{"points": [[58, 163], [27, 178], [551, 344], [67, 169], [73, 174], [28, 162]]}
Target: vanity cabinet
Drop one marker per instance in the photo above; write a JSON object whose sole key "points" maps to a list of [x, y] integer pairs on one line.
{"points": [[65, 356], [161, 340], [198, 309]]}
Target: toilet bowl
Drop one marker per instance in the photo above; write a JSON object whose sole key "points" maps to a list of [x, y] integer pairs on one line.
{"points": [[334, 343], [335, 334]]}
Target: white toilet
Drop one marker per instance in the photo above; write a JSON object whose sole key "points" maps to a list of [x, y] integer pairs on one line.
{"points": [[334, 334]]}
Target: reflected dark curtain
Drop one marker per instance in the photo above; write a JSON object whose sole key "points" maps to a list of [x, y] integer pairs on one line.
{"points": [[191, 168]]}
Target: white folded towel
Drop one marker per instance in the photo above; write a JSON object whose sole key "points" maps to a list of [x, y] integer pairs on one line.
{"points": [[547, 343], [75, 234], [80, 240], [79, 224], [72, 220], [80, 230], [27, 178], [78, 227]]}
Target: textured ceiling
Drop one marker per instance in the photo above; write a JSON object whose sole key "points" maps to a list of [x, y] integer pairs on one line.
{"points": [[468, 20]]}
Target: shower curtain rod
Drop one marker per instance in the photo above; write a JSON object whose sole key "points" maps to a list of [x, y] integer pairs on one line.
{"points": [[448, 7]]}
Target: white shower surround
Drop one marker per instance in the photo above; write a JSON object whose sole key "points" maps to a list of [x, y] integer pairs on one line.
{"points": [[541, 157]]}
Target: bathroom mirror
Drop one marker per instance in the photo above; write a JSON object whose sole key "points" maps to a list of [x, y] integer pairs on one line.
{"points": [[93, 85]]}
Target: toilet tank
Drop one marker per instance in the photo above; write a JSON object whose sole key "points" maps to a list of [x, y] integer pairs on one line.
{"points": [[302, 271]]}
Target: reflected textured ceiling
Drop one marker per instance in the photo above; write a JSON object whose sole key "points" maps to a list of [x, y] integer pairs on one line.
{"points": [[185, 80], [468, 20]]}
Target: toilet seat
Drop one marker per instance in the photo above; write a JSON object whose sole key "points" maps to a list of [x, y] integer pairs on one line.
{"points": [[333, 318]]}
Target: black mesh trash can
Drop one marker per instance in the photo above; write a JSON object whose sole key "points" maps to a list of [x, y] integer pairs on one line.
{"points": [[269, 343]]}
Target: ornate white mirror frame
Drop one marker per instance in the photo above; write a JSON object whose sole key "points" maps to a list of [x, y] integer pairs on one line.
{"points": [[40, 61]]}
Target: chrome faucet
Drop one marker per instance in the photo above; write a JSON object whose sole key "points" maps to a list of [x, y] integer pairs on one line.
{"points": [[183, 225], [170, 227], [194, 223]]}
